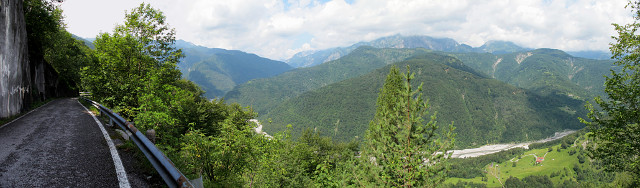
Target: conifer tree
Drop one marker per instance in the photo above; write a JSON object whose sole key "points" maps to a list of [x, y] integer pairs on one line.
{"points": [[401, 149]]}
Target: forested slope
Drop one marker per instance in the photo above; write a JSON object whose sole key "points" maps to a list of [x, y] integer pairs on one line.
{"points": [[217, 71], [265, 94], [484, 110], [546, 71]]}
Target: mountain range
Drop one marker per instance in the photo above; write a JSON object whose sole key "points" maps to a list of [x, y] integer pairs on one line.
{"points": [[312, 58], [218, 71], [485, 110], [341, 93]]}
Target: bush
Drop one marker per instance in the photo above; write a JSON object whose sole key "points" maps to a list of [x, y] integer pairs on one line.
{"points": [[581, 158]]}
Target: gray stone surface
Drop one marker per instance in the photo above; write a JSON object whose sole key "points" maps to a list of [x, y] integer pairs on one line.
{"points": [[14, 64], [58, 145]]}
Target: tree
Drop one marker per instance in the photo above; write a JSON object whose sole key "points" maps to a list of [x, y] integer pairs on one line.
{"points": [[43, 19], [67, 56], [615, 126], [401, 150], [137, 59]]}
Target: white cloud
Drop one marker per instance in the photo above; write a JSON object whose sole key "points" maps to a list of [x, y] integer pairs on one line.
{"points": [[273, 28]]}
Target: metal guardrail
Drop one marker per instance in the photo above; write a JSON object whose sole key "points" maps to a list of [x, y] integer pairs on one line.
{"points": [[170, 174]]}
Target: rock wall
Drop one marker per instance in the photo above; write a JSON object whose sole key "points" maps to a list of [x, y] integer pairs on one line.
{"points": [[15, 77]]}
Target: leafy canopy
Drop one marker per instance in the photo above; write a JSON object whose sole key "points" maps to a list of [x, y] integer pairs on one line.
{"points": [[615, 126]]}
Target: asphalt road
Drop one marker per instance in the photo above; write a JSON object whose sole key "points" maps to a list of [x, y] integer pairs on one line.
{"points": [[58, 145]]}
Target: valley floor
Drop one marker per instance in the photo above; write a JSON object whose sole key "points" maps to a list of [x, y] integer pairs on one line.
{"points": [[489, 149]]}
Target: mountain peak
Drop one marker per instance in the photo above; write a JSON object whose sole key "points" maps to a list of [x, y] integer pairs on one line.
{"points": [[501, 47]]}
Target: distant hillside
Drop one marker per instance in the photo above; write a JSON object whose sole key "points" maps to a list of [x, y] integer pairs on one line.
{"points": [[312, 58], [600, 55], [87, 42], [500, 47], [484, 110], [309, 59], [218, 71], [545, 71], [264, 94]]}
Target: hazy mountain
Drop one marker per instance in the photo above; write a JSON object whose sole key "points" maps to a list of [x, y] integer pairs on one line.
{"points": [[264, 94], [312, 58], [500, 47], [87, 42], [483, 109], [218, 71], [309, 59], [601, 55], [546, 71]]}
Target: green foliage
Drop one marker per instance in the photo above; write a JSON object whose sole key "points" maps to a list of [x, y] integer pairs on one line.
{"points": [[311, 161], [43, 20], [561, 168], [545, 71], [615, 125], [49, 42], [134, 72], [475, 167], [485, 110], [402, 150], [223, 159], [137, 59], [67, 56], [266, 94], [529, 181]]}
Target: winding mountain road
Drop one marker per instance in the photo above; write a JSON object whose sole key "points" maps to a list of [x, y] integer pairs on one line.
{"points": [[56, 145]]}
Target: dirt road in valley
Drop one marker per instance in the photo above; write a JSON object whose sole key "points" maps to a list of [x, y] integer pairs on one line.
{"points": [[489, 149]]}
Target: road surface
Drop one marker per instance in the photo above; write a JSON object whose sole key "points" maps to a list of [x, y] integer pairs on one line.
{"points": [[57, 145]]}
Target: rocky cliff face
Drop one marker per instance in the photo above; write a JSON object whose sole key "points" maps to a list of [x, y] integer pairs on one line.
{"points": [[15, 77]]}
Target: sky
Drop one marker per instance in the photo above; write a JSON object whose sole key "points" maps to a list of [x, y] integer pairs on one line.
{"points": [[277, 29]]}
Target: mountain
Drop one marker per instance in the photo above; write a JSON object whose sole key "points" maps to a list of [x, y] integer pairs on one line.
{"points": [[217, 71], [264, 94], [545, 71], [500, 47], [312, 58], [87, 42], [309, 59], [484, 110], [600, 55]]}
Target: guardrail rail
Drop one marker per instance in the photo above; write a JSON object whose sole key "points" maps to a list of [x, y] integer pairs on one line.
{"points": [[170, 174]]}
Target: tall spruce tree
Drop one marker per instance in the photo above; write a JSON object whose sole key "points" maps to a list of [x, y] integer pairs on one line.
{"points": [[401, 149], [615, 127]]}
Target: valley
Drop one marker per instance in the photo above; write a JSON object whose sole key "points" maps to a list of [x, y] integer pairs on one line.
{"points": [[490, 149], [483, 109]]}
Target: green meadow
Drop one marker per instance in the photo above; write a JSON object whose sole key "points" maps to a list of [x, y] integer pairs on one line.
{"points": [[561, 166]]}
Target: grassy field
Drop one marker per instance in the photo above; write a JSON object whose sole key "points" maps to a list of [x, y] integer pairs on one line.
{"points": [[558, 165]]}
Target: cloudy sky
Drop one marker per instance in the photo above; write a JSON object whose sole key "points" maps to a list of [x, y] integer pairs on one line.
{"points": [[278, 29]]}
